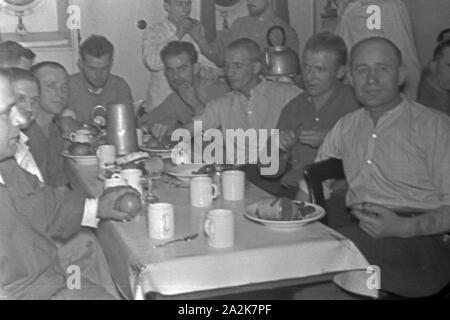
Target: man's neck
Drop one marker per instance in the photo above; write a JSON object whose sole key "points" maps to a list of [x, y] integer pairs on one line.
{"points": [[247, 91], [319, 101], [43, 120], [377, 112]]}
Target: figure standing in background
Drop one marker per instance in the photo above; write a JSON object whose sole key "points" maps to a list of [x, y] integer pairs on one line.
{"points": [[177, 25], [395, 26]]}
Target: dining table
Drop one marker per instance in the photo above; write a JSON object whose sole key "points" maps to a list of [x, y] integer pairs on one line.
{"points": [[261, 258]]}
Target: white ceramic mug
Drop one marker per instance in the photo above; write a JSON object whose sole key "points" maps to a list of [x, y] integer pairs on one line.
{"points": [[106, 155], [161, 224], [133, 177], [202, 192], [81, 136], [219, 228], [115, 181], [233, 185]]}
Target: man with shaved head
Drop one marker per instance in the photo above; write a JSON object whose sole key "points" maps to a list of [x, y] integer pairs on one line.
{"points": [[396, 156]]}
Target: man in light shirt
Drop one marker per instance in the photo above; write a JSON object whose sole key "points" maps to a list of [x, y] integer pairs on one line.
{"points": [[253, 103], [396, 157], [34, 216], [175, 26]]}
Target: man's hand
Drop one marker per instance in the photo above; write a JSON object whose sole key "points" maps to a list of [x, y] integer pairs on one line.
{"points": [[107, 204], [380, 222], [159, 130], [184, 27], [187, 92], [68, 125], [287, 140], [313, 138], [302, 196], [197, 31]]}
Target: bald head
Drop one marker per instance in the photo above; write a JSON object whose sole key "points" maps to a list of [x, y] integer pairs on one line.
{"points": [[248, 45], [378, 44]]}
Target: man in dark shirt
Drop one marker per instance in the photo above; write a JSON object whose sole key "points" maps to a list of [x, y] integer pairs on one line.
{"points": [[434, 89]]}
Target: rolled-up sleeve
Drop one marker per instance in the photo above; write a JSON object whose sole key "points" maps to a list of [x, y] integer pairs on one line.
{"points": [[437, 147], [154, 39]]}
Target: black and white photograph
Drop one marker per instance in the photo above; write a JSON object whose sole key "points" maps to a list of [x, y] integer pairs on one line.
{"points": [[244, 152]]}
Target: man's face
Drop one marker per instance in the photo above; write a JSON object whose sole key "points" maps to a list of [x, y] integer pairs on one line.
{"points": [[240, 70], [54, 89], [376, 75], [9, 130], [177, 10], [27, 99], [179, 69], [443, 69], [96, 71], [257, 7], [320, 72]]}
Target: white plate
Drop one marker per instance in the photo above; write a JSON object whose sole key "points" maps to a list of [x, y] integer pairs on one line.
{"points": [[185, 172], [163, 153], [82, 160], [250, 213]]}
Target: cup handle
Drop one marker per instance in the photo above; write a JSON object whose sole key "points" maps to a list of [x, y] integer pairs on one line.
{"points": [[116, 176], [165, 219], [209, 227], [72, 136], [215, 191]]}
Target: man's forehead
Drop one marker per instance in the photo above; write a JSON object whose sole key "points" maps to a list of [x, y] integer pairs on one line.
{"points": [[237, 54], [104, 60], [48, 74], [375, 52], [179, 59]]}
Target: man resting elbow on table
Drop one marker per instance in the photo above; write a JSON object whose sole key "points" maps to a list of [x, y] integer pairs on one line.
{"points": [[396, 157], [34, 216]]}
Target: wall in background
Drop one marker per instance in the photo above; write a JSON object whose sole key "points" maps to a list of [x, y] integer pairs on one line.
{"points": [[428, 18]]}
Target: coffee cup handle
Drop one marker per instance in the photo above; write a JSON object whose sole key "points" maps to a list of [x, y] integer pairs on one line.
{"points": [[165, 219], [72, 136], [97, 153], [116, 176], [209, 227], [215, 191]]}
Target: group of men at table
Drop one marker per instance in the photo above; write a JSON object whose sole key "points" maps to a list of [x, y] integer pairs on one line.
{"points": [[396, 153]]}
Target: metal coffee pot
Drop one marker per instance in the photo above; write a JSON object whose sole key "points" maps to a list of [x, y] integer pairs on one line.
{"points": [[280, 60], [121, 127]]}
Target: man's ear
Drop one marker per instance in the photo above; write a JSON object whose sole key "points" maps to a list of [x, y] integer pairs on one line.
{"points": [[349, 75], [257, 67], [341, 71], [433, 66], [402, 73], [196, 68], [166, 5]]}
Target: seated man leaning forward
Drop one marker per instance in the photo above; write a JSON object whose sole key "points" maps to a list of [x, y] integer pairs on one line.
{"points": [[191, 90], [34, 216], [306, 120], [396, 156], [94, 84], [253, 103], [434, 89]]}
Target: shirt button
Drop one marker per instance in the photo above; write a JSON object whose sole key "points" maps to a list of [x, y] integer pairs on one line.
{"points": [[369, 161], [374, 136], [317, 119]]}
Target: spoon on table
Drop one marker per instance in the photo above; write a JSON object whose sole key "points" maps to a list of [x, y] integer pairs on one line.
{"points": [[187, 239]]}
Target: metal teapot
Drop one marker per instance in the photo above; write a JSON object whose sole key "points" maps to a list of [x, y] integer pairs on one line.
{"points": [[280, 60], [121, 127]]}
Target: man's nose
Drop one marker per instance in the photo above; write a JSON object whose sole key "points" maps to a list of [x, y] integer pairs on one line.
{"points": [[16, 117], [372, 77]]}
